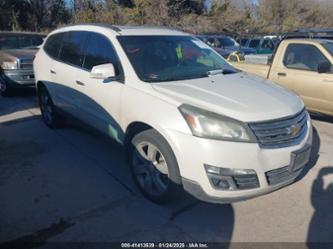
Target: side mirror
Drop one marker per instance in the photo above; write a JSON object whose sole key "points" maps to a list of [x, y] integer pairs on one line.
{"points": [[104, 71], [324, 67]]}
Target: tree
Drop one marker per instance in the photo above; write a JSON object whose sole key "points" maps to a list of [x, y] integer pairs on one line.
{"points": [[226, 15], [283, 16], [126, 3], [14, 14], [148, 12], [179, 8]]}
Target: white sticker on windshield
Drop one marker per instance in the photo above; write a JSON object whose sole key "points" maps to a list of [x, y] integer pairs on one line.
{"points": [[201, 44]]}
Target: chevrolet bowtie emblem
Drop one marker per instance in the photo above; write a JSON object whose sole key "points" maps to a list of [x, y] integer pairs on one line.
{"points": [[294, 129]]}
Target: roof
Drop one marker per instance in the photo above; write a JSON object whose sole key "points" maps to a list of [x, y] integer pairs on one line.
{"points": [[310, 40], [310, 33], [148, 30]]}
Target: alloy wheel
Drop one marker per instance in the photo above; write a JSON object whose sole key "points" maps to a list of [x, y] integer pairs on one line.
{"points": [[150, 169]]}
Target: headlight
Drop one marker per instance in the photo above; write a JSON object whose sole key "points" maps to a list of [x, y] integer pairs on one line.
{"points": [[207, 124], [9, 65]]}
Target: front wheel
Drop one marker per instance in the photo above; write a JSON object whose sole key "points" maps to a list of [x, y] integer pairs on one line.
{"points": [[154, 167], [4, 88]]}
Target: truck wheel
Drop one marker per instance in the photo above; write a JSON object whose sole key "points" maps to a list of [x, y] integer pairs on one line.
{"points": [[49, 113], [4, 89], [154, 167]]}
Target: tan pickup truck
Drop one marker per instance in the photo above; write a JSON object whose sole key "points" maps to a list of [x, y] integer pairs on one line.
{"points": [[305, 67]]}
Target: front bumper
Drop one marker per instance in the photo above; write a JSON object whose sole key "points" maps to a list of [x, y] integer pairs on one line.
{"points": [[18, 78], [193, 153]]}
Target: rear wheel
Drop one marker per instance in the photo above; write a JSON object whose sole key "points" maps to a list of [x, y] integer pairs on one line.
{"points": [[154, 167], [48, 110]]}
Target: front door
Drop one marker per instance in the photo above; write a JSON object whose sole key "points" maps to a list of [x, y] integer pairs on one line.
{"points": [[100, 99]]}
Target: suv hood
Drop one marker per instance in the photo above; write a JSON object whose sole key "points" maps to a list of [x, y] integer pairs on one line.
{"points": [[241, 96]]}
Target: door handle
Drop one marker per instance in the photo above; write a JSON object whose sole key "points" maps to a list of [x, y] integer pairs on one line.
{"points": [[52, 72], [80, 83], [282, 74]]}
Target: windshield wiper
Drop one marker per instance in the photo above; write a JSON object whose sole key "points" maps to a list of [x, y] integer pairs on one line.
{"points": [[221, 71], [184, 77], [215, 72]]}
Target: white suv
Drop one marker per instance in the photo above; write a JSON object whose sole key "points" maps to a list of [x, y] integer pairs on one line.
{"points": [[188, 119]]}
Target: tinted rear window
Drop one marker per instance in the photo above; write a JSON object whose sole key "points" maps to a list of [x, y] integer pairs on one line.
{"points": [[72, 50], [53, 44]]}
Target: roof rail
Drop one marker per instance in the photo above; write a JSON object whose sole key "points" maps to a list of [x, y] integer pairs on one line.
{"points": [[150, 26], [310, 34], [104, 25]]}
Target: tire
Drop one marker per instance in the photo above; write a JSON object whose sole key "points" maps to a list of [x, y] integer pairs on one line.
{"points": [[4, 89], [154, 167], [49, 113]]}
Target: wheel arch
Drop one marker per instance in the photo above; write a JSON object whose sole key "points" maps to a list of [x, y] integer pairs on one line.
{"points": [[133, 129], [39, 84]]}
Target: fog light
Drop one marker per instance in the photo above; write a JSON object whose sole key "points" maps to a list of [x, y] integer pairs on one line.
{"points": [[224, 184], [231, 179]]}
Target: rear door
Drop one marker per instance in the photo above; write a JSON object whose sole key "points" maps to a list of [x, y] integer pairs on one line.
{"points": [[52, 48], [100, 99], [66, 69], [298, 71]]}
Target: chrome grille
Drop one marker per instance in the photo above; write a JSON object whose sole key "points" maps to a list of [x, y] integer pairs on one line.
{"points": [[246, 181], [280, 175], [282, 132], [25, 63]]}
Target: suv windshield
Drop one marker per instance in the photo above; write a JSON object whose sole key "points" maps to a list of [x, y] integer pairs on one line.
{"points": [[329, 47], [12, 41], [171, 58]]}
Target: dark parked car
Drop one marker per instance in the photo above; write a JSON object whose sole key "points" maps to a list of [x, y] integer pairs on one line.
{"points": [[225, 45], [261, 45], [17, 51]]}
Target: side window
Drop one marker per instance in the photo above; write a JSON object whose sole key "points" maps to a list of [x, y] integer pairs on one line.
{"points": [[268, 44], [243, 42], [100, 51], [303, 57], [72, 50], [254, 43], [53, 44]]}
